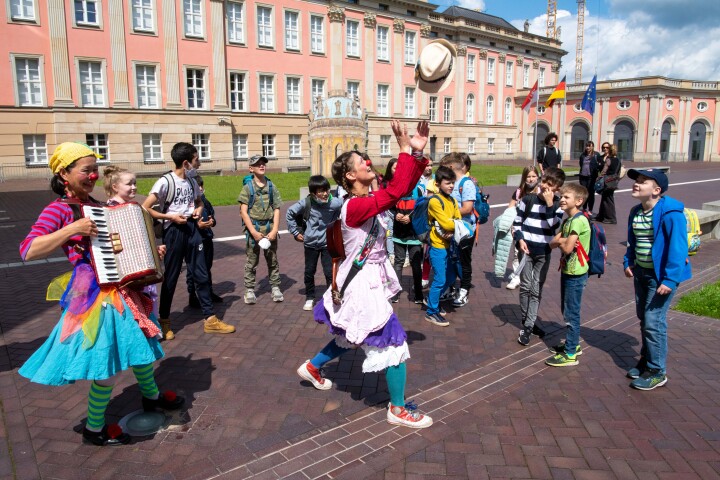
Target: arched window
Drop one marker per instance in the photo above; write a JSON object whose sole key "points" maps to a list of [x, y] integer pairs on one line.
{"points": [[490, 107], [508, 111], [470, 109]]}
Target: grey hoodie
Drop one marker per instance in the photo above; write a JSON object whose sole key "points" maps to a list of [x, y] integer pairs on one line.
{"points": [[321, 215]]}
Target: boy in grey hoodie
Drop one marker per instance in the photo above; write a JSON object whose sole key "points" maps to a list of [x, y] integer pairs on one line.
{"points": [[307, 221]]}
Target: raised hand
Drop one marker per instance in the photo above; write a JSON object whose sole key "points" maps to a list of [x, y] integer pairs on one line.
{"points": [[420, 139], [407, 144]]}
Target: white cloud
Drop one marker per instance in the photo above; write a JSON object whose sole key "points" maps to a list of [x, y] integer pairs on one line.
{"points": [[639, 44], [472, 4]]}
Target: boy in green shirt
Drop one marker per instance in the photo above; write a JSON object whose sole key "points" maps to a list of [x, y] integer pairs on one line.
{"points": [[575, 230]]}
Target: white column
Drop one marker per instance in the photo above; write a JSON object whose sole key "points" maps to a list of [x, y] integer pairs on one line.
{"points": [[336, 16], [643, 123], [117, 54], [217, 21], [59, 54], [564, 133], [604, 128], [172, 67], [654, 127], [714, 148]]}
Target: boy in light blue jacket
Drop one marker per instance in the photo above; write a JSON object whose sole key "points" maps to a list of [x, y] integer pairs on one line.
{"points": [[307, 221], [657, 261]]}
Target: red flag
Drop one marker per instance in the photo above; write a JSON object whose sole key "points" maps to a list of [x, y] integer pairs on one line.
{"points": [[532, 98]]}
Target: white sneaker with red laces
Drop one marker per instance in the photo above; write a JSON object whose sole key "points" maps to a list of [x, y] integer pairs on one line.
{"points": [[407, 416], [316, 379]]}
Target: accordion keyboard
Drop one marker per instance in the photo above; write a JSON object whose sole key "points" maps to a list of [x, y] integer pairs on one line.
{"points": [[103, 252]]}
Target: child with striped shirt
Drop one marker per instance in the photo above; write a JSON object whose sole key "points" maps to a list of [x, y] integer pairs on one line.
{"points": [[537, 220]]}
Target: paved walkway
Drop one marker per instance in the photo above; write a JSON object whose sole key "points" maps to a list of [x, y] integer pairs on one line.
{"points": [[499, 411]]}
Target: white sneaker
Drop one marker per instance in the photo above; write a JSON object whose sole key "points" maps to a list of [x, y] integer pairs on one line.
{"points": [[392, 259], [250, 297], [461, 298], [277, 295], [408, 416], [425, 283], [308, 305], [514, 283], [318, 382], [407, 262]]}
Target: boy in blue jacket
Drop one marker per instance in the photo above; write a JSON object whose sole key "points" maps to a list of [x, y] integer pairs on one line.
{"points": [[657, 261], [307, 221]]}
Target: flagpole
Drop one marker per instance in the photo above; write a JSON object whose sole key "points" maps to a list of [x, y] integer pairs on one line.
{"points": [[533, 153]]}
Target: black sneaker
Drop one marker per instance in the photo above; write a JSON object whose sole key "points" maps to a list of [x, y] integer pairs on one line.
{"points": [[448, 295], [538, 332], [193, 301], [441, 310], [419, 301], [395, 299], [524, 337], [637, 370], [436, 319]]}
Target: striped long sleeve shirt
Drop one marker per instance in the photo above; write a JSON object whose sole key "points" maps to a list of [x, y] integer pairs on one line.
{"points": [[540, 226], [54, 217]]}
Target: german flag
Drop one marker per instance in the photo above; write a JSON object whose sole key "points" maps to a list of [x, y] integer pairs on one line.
{"points": [[559, 92]]}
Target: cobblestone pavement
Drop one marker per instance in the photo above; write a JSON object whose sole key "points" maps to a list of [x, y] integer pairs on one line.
{"points": [[499, 411]]}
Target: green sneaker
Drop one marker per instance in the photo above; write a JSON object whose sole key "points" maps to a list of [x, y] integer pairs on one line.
{"points": [[560, 348], [649, 380], [562, 360]]}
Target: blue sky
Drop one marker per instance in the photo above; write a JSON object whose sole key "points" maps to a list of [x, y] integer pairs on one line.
{"points": [[625, 38]]}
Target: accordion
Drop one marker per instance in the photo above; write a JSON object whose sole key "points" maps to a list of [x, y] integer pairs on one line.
{"points": [[124, 252]]}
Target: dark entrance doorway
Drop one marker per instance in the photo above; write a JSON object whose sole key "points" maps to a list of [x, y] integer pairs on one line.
{"points": [[624, 140]]}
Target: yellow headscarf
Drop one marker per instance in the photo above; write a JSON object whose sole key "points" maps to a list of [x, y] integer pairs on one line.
{"points": [[66, 153]]}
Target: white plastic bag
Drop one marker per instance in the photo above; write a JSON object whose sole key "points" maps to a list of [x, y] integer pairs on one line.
{"points": [[461, 231]]}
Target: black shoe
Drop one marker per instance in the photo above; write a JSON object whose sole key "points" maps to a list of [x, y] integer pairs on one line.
{"points": [[166, 401], [193, 301], [216, 298], [610, 222], [538, 332], [110, 436], [524, 337], [395, 299], [436, 319], [419, 301]]}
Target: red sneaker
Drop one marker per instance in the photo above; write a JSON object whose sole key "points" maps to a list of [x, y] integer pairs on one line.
{"points": [[407, 416], [307, 371]]}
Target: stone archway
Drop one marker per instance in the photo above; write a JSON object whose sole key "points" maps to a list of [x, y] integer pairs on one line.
{"points": [[624, 140], [542, 131], [665, 133], [579, 136], [696, 148]]}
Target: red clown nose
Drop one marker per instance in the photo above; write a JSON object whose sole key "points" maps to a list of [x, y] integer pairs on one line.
{"points": [[368, 163], [94, 176]]}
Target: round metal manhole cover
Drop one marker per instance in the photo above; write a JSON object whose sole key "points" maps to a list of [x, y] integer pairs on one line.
{"points": [[141, 423]]}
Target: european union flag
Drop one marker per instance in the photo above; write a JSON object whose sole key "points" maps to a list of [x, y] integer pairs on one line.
{"points": [[588, 101]]}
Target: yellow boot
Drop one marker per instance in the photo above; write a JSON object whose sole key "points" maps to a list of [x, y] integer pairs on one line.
{"points": [[165, 327], [215, 325]]}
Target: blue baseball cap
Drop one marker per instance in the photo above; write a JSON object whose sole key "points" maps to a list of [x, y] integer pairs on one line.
{"points": [[658, 175]]}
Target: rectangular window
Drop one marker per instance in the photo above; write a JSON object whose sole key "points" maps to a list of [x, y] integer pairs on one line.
{"points": [[35, 149], [29, 84], [384, 144], [447, 145], [508, 145], [240, 149], [293, 95], [410, 48], [409, 102], [294, 145], [491, 146], [267, 94], [432, 109], [193, 18], [147, 86], [541, 77], [353, 89], [92, 86], [447, 110], [352, 38], [23, 10], [235, 22], [470, 109], [86, 12], [152, 147], [383, 51], [98, 142], [382, 100], [471, 68], [202, 143], [526, 76], [196, 88], [317, 88], [237, 92], [471, 145], [317, 34], [268, 145], [491, 70], [292, 33], [508, 73], [143, 16], [264, 27]]}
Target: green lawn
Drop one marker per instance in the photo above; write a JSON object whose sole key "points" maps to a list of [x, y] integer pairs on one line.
{"points": [[224, 190], [705, 302]]}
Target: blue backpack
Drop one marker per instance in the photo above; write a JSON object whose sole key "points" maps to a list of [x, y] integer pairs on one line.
{"points": [[481, 207], [419, 218], [247, 180], [598, 248]]}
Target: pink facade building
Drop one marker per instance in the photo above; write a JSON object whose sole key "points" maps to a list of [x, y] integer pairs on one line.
{"points": [[133, 77]]}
